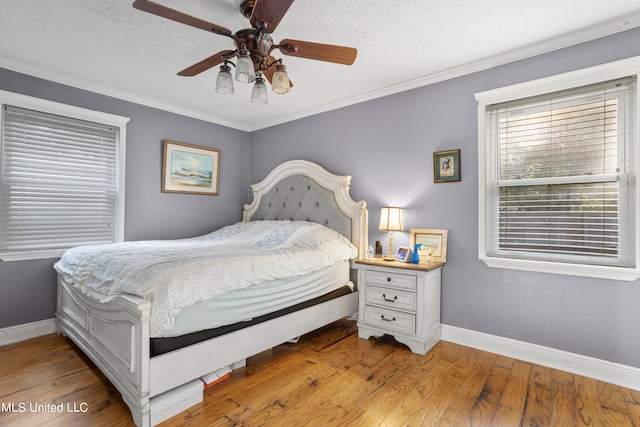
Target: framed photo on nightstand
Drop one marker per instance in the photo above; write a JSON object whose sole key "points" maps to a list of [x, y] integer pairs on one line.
{"points": [[433, 243], [403, 254]]}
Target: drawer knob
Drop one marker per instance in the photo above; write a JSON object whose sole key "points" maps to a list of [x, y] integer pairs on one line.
{"points": [[393, 319], [395, 298], [388, 279]]}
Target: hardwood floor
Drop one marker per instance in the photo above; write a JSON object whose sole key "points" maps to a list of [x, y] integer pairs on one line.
{"points": [[330, 378]]}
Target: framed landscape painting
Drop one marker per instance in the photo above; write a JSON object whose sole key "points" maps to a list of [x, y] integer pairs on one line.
{"points": [[190, 169]]}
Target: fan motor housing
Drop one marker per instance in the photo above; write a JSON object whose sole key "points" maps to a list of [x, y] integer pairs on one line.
{"points": [[258, 44]]}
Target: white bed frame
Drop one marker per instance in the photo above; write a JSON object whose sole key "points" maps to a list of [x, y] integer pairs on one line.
{"points": [[115, 335]]}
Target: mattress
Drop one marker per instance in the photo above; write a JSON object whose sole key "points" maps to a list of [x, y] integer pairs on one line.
{"points": [[175, 274], [245, 304]]}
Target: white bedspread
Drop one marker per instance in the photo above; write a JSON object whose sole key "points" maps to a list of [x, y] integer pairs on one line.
{"points": [[173, 274]]}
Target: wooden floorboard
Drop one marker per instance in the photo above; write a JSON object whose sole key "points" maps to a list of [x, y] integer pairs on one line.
{"points": [[329, 378]]}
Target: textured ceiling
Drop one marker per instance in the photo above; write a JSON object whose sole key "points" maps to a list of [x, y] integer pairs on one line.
{"points": [[109, 47]]}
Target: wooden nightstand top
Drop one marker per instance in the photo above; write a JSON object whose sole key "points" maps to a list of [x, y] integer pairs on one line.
{"points": [[423, 266]]}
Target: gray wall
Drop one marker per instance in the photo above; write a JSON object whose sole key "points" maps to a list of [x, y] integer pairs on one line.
{"points": [[387, 146], [28, 288]]}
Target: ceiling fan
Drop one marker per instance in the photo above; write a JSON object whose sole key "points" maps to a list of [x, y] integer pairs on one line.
{"points": [[253, 47]]}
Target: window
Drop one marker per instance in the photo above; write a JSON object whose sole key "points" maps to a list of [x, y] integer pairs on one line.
{"points": [[61, 178], [558, 160]]}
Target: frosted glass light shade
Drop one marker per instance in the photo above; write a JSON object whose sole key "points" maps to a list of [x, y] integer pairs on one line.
{"points": [[224, 82], [259, 92], [245, 72], [391, 219], [280, 81]]}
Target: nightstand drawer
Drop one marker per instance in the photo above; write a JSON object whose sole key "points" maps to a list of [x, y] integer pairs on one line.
{"points": [[390, 319], [396, 280], [393, 298]]}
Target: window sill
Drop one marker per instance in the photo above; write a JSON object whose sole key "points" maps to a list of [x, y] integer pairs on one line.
{"points": [[31, 255], [601, 272]]}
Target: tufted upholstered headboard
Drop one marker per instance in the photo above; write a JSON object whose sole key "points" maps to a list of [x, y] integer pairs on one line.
{"points": [[302, 190]]}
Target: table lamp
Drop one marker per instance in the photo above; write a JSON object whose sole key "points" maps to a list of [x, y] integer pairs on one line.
{"points": [[390, 220]]}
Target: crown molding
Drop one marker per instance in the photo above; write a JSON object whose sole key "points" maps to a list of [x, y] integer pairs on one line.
{"points": [[571, 39], [79, 83], [594, 32]]}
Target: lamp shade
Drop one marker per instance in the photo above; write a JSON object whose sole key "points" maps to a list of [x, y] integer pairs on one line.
{"points": [[391, 219]]}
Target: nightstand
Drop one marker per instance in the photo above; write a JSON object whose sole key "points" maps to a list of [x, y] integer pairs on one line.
{"points": [[400, 299]]}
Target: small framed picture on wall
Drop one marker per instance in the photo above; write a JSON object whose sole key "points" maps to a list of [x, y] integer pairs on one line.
{"points": [[446, 166]]}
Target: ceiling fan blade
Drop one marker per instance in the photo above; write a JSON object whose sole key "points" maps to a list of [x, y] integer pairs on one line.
{"points": [[267, 14], [318, 51], [183, 18], [268, 73], [207, 63]]}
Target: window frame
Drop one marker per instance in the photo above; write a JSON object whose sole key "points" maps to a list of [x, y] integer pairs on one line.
{"points": [[549, 85], [52, 107]]}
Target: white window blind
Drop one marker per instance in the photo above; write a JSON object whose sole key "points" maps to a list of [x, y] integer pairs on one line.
{"points": [[561, 178], [58, 181]]}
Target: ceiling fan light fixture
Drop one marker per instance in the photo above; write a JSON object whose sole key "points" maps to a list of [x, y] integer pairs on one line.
{"points": [[224, 82], [264, 16], [245, 70], [280, 81], [259, 92]]}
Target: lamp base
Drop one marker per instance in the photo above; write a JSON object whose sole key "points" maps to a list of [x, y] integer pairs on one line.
{"points": [[389, 258]]}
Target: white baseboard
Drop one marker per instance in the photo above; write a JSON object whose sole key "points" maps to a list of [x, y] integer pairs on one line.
{"points": [[614, 373], [14, 334]]}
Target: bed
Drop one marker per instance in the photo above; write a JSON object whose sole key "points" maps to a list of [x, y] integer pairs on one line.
{"points": [[160, 376]]}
